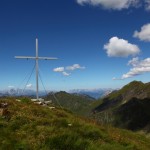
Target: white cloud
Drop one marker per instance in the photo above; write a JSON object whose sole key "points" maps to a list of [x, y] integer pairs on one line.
{"points": [[133, 62], [111, 4], [74, 67], [147, 5], [11, 86], [59, 69], [65, 73], [114, 78], [120, 48], [29, 85], [144, 34], [138, 67], [64, 70]]}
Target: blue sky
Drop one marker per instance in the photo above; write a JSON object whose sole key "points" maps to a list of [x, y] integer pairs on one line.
{"points": [[100, 44]]}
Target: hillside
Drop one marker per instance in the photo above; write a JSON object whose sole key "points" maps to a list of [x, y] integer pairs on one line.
{"points": [[136, 89], [127, 108], [28, 126], [76, 103]]}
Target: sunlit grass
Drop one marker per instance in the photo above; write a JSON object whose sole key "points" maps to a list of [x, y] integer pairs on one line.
{"points": [[33, 127]]}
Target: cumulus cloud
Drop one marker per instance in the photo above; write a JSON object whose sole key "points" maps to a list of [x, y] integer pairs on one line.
{"points": [[120, 48], [147, 5], [74, 67], [65, 73], [144, 34], [29, 85], [138, 67], [111, 4], [59, 69], [64, 70]]}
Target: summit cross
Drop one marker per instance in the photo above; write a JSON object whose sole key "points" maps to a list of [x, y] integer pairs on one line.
{"points": [[36, 58]]}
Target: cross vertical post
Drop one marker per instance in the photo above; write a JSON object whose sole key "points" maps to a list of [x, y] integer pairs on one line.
{"points": [[37, 71], [36, 58]]}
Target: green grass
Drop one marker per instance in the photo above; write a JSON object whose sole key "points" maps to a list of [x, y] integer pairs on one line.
{"points": [[75, 103], [33, 127], [133, 89]]}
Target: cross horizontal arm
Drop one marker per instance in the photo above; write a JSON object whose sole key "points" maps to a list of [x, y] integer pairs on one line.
{"points": [[29, 57], [25, 57], [48, 58]]}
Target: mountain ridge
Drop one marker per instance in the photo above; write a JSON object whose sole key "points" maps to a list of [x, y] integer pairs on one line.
{"points": [[95, 93], [76, 103], [119, 107]]}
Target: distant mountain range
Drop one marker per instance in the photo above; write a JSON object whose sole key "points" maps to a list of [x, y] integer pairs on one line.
{"points": [[19, 92], [95, 93]]}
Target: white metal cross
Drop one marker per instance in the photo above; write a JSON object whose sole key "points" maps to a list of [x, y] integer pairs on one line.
{"points": [[36, 58]]}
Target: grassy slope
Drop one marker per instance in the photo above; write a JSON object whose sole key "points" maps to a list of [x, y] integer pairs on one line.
{"points": [[31, 126], [126, 108], [75, 103], [134, 89]]}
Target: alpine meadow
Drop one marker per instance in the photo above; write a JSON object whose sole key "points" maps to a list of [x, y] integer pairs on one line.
{"points": [[75, 75]]}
